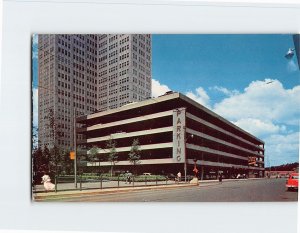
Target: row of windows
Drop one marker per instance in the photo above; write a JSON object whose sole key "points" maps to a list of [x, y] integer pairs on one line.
{"points": [[113, 91], [124, 88], [112, 77], [113, 99], [113, 53], [64, 52], [124, 80], [113, 84], [102, 51], [126, 55], [113, 38], [115, 45], [113, 61], [63, 68], [123, 72], [102, 58], [103, 43], [103, 80], [112, 69], [126, 47], [126, 39], [62, 84], [64, 76], [103, 65], [63, 93], [91, 64]]}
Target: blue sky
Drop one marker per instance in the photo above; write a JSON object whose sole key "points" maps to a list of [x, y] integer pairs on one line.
{"points": [[244, 78]]}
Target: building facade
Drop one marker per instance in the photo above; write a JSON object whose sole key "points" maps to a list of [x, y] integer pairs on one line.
{"points": [[174, 134], [82, 74]]}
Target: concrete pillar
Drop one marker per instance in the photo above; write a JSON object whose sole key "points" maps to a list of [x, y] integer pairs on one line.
{"points": [[202, 172]]}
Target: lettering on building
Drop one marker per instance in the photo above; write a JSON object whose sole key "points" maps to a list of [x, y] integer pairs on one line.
{"points": [[178, 135]]}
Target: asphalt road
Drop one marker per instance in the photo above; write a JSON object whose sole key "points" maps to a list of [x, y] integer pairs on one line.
{"points": [[233, 191]]}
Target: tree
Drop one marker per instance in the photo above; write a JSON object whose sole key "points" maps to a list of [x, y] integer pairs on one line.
{"points": [[112, 154], [46, 160], [34, 138], [37, 162], [56, 155], [134, 155], [66, 163], [93, 154]]}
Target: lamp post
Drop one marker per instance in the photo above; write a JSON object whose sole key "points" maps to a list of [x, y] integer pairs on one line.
{"points": [[75, 150]]}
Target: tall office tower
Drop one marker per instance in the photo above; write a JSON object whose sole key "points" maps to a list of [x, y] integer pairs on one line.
{"points": [[124, 69], [67, 84], [82, 74]]}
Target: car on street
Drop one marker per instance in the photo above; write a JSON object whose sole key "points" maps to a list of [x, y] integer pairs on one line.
{"points": [[147, 174], [292, 181]]}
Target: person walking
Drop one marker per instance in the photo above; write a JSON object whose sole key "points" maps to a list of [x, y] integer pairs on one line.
{"points": [[179, 176], [220, 177], [128, 177]]}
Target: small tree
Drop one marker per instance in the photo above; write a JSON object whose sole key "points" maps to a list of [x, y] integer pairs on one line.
{"points": [[45, 167], [37, 164], [66, 163], [94, 154], [112, 155], [56, 155], [134, 155]]}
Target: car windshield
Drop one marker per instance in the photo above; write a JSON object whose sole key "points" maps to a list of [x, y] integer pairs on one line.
{"points": [[295, 177]]}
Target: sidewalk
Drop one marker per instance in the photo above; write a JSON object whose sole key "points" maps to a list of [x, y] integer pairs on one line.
{"points": [[90, 192], [106, 189]]}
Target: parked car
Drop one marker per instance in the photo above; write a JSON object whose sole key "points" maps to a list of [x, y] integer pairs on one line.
{"points": [[147, 174], [292, 181]]}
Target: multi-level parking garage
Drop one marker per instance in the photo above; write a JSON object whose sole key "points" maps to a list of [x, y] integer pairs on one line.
{"points": [[174, 133]]}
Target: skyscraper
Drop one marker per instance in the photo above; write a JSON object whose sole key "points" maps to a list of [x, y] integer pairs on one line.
{"points": [[82, 74]]}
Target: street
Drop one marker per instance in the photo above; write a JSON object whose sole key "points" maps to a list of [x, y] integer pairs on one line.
{"points": [[263, 190]]}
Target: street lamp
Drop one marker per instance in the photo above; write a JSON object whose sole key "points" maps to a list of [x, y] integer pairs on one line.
{"points": [[75, 149]]}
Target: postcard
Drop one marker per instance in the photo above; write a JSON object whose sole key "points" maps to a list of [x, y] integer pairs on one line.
{"points": [[165, 117]]}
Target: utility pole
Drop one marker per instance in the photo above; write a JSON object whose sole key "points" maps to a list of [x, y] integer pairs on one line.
{"points": [[75, 150]]}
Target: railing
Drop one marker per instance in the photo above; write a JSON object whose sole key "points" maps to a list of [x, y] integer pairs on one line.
{"points": [[66, 183]]}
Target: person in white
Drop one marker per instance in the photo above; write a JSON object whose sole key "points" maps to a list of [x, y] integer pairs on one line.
{"points": [[179, 176], [47, 183]]}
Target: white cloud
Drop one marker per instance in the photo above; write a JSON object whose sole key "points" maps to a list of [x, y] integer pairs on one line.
{"points": [[224, 90], [266, 100], [200, 96], [34, 38], [258, 127], [281, 149], [35, 106], [34, 46], [270, 112], [158, 88]]}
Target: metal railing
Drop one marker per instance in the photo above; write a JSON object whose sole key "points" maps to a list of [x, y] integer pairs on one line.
{"points": [[65, 183]]}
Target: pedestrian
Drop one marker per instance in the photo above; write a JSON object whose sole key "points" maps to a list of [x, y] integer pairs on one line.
{"points": [[179, 176], [126, 177], [47, 182], [220, 177]]}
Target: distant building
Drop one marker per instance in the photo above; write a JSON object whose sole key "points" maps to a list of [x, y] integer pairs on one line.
{"points": [[174, 132], [82, 74]]}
